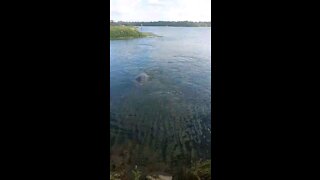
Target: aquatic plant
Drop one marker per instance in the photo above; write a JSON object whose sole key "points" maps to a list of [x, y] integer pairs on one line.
{"points": [[126, 32], [136, 173], [114, 176], [201, 170]]}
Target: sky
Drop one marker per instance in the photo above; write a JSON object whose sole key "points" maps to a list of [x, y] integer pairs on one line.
{"points": [[160, 10]]}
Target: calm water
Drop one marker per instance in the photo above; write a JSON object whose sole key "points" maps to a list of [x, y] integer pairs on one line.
{"points": [[163, 124]]}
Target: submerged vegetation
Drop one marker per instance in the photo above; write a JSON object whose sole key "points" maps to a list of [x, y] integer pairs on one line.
{"points": [[136, 173], [199, 170], [126, 32]]}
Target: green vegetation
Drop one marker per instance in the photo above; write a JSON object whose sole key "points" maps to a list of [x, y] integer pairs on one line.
{"points": [[114, 176], [201, 170], [126, 32], [136, 173]]}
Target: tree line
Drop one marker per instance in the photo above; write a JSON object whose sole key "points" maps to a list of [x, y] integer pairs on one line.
{"points": [[164, 23]]}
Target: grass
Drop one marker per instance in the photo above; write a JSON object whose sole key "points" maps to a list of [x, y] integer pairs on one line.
{"points": [[126, 32]]}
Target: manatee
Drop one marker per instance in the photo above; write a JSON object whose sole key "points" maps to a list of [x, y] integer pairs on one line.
{"points": [[142, 78]]}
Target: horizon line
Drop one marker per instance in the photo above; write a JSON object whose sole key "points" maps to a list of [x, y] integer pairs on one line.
{"points": [[159, 21]]}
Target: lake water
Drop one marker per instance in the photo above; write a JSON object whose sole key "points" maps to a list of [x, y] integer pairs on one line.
{"points": [[164, 123]]}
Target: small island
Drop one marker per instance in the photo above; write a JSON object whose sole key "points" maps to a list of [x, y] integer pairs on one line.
{"points": [[118, 32]]}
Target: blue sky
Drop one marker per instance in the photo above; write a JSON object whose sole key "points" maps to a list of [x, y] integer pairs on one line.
{"points": [[160, 10]]}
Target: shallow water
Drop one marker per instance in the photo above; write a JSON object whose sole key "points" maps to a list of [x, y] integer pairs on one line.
{"points": [[163, 123]]}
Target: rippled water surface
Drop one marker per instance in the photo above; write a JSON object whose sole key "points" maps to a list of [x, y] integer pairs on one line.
{"points": [[163, 123]]}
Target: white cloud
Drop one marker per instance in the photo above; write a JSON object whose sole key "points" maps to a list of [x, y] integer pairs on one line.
{"points": [[154, 2], [153, 10]]}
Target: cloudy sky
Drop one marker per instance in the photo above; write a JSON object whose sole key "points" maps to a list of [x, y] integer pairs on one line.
{"points": [[160, 10]]}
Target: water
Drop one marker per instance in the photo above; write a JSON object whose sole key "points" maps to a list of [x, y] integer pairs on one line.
{"points": [[163, 124]]}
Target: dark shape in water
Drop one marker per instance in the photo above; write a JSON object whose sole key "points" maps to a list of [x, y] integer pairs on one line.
{"points": [[142, 78]]}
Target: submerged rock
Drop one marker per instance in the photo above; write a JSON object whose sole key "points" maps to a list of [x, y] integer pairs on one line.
{"points": [[142, 78]]}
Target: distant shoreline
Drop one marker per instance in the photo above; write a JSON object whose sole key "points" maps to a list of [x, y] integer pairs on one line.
{"points": [[164, 23]]}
